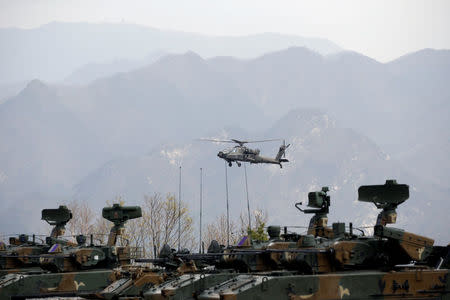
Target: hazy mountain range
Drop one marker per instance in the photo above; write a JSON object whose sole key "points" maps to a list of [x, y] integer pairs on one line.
{"points": [[53, 51], [351, 121], [321, 153]]}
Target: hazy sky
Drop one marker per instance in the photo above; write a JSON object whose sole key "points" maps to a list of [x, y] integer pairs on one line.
{"points": [[380, 29]]}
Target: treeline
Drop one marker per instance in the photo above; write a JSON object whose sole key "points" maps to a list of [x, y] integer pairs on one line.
{"points": [[159, 225]]}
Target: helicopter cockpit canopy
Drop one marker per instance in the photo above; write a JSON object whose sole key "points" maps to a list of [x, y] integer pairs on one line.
{"points": [[227, 151], [251, 151]]}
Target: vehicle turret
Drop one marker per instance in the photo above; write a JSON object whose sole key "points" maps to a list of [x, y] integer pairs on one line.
{"points": [[73, 268], [81, 256], [58, 217], [387, 197], [320, 203], [119, 215], [24, 252]]}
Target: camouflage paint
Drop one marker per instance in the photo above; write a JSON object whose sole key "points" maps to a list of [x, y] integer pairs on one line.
{"points": [[33, 285], [417, 247], [413, 284], [187, 286], [352, 252]]}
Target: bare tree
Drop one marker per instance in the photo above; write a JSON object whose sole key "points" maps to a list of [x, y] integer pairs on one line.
{"points": [[86, 221], [259, 220], [135, 234], [218, 231], [83, 219], [101, 229], [258, 217], [153, 219], [159, 225]]}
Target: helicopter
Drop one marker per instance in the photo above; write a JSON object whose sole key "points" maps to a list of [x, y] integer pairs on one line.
{"points": [[241, 153]]}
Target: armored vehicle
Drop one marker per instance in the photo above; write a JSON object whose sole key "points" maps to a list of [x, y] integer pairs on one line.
{"points": [[328, 262], [23, 254], [71, 270], [392, 263]]}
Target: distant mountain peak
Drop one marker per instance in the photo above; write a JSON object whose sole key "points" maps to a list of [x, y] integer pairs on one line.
{"points": [[192, 54], [426, 55], [36, 84], [293, 52], [35, 87], [187, 57], [351, 55], [37, 91], [302, 120]]}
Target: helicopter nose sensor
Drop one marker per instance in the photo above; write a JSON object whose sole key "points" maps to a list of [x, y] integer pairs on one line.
{"points": [[220, 154]]}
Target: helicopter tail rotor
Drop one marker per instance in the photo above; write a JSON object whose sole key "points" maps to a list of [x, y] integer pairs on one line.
{"points": [[282, 152], [285, 147]]}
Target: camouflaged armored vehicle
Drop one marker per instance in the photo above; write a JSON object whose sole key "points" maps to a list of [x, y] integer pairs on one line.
{"points": [[22, 254], [329, 262], [391, 264], [68, 270]]}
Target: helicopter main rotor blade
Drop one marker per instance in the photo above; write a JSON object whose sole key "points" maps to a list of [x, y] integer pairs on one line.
{"points": [[217, 141], [238, 141], [259, 141]]}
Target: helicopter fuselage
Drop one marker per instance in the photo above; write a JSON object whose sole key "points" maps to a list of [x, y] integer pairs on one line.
{"points": [[240, 154]]}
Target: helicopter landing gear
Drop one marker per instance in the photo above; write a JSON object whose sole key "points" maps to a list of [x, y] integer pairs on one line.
{"points": [[229, 164], [238, 163]]}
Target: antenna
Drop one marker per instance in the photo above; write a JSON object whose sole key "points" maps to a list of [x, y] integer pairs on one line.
{"points": [[201, 207], [228, 211], [179, 213], [248, 202]]}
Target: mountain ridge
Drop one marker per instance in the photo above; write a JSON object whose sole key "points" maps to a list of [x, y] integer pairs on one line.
{"points": [[53, 51], [357, 107]]}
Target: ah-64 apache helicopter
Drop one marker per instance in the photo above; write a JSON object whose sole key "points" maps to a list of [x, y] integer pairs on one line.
{"points": [[240, 153]]}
